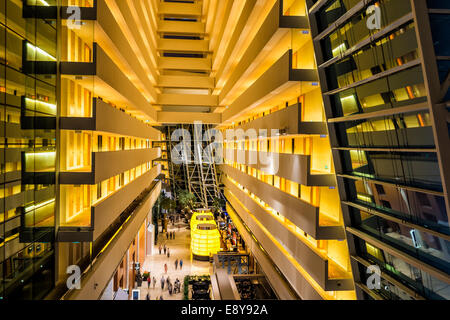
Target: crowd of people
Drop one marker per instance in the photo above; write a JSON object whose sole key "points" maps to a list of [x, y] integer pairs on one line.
{"points": [[165, 283]]}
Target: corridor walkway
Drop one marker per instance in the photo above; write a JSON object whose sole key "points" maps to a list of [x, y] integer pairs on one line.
{"points": [[179, 249]]}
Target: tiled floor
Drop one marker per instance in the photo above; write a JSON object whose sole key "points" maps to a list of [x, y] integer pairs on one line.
{"points": [[179, 249]]}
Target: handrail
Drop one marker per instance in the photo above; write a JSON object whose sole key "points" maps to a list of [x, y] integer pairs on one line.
{"points": [[86, 263], [277, 270]]}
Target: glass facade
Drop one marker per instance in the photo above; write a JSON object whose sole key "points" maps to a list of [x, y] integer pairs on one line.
{"points": [[384, 149], [28, 153], [417, 207], [377, 105], [33, 98], [412, 277], [419, 244]]}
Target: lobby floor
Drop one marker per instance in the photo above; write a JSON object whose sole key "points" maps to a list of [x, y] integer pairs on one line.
{"points": [[179, 249]]}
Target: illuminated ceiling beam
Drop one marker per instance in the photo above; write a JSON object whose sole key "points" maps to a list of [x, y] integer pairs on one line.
{"points": [[237, 34], [220, 21], [278, 77], [273, 51], [195, 82], [131, 29], [195, 64], [268, 29], [183, 45], [108, 34], [188, 117], [233, 14], [187, 100], [180, 9], [181, 27]]}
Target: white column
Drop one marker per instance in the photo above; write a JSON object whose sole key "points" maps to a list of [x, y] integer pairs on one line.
{"points": [[150, 235], [127, 273], [108, 294]]}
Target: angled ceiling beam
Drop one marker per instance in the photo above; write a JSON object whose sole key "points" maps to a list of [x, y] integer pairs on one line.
{"points": [[188, 117]]}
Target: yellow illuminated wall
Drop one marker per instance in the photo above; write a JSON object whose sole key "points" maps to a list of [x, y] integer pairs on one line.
{"points": [[77, 200], [202, 219], [205, 240], [77, 147], [318, 147], [201, 213]]}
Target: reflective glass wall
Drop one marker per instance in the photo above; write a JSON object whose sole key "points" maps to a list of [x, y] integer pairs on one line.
{"points": [[27, 153], [375, 86]]}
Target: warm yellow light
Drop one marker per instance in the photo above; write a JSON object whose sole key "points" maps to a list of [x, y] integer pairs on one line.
{"points": [[364, 198], [203, 210], [39, 50], [340, 48], [41, 105], [200, 213], [40, 162], [39, 205], [202, 219], [205, 241]]}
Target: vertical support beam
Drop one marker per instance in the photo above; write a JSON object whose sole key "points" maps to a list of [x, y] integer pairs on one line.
{"points": [[239, 265], [333, 137], [438, 112], [57, 144]]}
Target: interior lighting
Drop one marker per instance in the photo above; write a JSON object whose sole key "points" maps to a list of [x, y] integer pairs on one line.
{"points": [[42, 103], [39, 50], [205, 241], [200, 212], [39, 205], [340, 48], [202, 219]]}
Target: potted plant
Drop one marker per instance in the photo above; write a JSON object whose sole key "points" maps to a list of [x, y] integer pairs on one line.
{"points": [[218, 204], [168, 205], [186, 201], [186, 288]]}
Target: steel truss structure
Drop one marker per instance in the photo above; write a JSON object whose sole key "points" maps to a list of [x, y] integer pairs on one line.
{"points": [[190, 161], [200, 166]]}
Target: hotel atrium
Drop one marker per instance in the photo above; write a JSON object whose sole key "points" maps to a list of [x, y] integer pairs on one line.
{"points": [[281, 149]]}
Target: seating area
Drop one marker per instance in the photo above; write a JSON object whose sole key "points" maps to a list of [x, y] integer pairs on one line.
{"points": [[254, 288], [200, 288], [246, 289]]}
